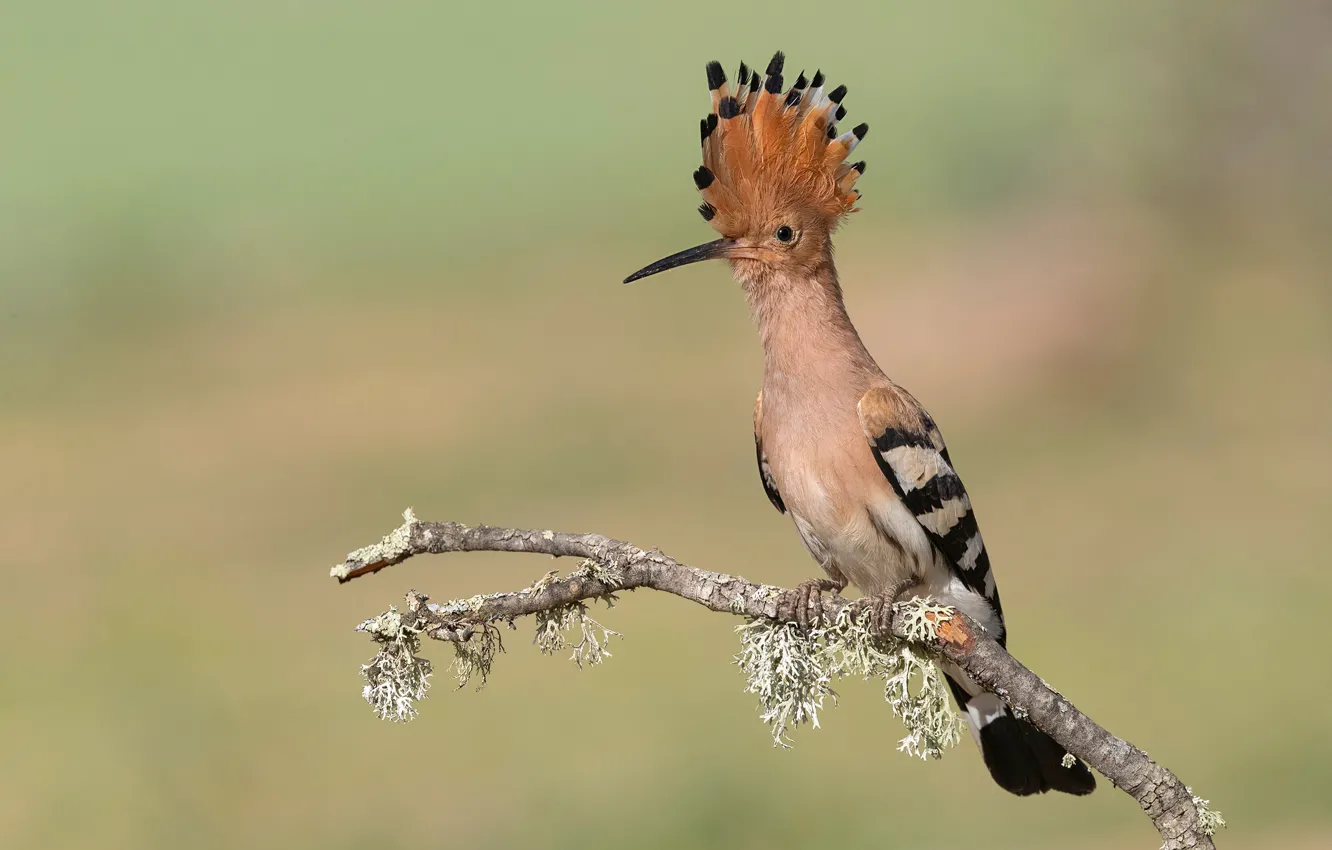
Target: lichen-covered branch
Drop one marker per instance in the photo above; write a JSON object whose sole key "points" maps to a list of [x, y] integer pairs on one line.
{"points": [[612, 566]]}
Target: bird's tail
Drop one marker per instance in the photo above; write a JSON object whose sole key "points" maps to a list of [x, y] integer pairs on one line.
{"points": [[1021, 758]]}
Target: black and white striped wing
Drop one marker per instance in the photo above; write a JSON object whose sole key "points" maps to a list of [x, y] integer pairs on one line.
{"points": [[765, 475], [765, 471], [911, 452]]}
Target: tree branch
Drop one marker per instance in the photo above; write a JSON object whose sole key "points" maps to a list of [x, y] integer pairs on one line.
{"points": [[613, 566]]}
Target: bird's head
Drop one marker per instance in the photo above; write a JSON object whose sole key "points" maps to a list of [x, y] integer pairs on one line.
{"points": [[774, 180]]}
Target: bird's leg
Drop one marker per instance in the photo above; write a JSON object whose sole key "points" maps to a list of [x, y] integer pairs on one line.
{"points": [[808, 591], [881, 606]]}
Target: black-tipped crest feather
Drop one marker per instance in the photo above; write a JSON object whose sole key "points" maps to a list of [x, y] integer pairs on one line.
{"points": [[707, 125], [716, 76]]}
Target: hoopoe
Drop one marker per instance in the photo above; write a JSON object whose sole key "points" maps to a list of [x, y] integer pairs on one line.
{"points": [[851, 457]]}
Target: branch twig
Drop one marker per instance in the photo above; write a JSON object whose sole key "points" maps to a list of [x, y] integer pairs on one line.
{"points": [[1181, 818]]}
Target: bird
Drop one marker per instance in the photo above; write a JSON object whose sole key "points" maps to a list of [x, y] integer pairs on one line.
{"points": [[852, 458]]}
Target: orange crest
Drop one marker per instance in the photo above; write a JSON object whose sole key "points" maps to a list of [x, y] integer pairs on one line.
{"points": [[766, 150]]}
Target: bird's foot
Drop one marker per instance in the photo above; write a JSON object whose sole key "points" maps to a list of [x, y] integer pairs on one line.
{"points": [[881, 608], [806, 593]]}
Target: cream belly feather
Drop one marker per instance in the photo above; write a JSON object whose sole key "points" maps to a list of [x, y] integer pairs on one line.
{"points": [[877, 548]]}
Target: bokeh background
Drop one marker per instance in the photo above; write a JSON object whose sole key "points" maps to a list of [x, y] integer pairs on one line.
{"points": [[272, 271]]}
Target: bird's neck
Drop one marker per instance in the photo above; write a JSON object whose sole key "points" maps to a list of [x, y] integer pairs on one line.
{"points": [[809, 343]]}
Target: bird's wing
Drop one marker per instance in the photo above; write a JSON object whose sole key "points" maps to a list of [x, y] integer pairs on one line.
{"points": [[765, 471], [910, 450]]}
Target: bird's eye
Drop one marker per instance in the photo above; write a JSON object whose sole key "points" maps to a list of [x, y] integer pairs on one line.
{"points": [[785, 234]]}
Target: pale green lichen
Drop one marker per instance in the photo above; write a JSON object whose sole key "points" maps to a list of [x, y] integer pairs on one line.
{"points": [[542, 583], [792, 671], [922, 618], [607, 574], [849, 647], [594, 638], [1209, 820], [783, 666], [473, 656], [395, 544], [929, 720], [396, 678]]}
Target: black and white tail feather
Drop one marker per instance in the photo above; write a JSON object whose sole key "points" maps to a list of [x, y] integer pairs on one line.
{"points": [[911, 452]]}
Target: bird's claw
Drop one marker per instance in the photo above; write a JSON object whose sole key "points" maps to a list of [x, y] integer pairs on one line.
{"points": [[881, 609], [805, 595]]}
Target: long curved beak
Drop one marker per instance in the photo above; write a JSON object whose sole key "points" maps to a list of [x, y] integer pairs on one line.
{"points": [[715, 250]]}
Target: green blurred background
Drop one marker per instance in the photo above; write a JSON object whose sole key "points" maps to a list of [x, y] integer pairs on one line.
{"points": [[272, 271]]}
